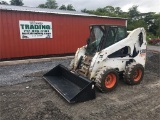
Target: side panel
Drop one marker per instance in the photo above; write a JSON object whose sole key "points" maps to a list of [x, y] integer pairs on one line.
{"points": [[132, 41], [69, 33]]}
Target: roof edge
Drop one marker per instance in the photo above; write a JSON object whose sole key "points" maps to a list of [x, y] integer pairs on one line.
{"points": [[52, 11]]}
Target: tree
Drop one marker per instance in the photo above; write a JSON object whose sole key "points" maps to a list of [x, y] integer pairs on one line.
{"points": [[133, 12], [63, 7], [42, 6], [137, 23], [100, 11], [70, 7], [3, 3], [84, 10], [155, 27], [109, 9], [17, 2], [157, 23], [118, 11], [51, 4], [148, 17], [88, 11], [150, 21]]}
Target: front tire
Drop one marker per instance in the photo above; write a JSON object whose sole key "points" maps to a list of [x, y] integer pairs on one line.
{"points": [[108, 80]]}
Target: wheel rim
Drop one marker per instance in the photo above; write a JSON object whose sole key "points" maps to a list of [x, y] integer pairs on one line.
{"points": [[110, 80], [137, 74]]}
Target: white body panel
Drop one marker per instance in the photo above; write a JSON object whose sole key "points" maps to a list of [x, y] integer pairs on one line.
{"points": [[101, 59]]}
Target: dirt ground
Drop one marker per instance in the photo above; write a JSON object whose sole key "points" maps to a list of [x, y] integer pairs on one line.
{"points": [[36, 100]]}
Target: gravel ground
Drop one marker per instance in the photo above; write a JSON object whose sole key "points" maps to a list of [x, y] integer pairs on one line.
{"points": [[153, 48], [34, 99], [10, 75]]}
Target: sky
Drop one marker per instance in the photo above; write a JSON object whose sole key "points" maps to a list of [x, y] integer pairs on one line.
{"points": [[143, 5]]}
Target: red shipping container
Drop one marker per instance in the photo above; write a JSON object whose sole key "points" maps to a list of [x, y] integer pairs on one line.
{"points": [[69, 29]]}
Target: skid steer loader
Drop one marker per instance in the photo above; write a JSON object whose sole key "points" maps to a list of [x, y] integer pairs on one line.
{"points": [[111, 51]]}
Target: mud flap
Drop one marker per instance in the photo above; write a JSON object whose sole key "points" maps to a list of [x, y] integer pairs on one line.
{"points": [[72, 87]]}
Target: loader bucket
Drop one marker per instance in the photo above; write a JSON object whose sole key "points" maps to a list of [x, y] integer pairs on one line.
{"points": [[72, 87]]}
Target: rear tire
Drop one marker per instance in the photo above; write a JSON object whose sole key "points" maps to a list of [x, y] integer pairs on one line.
{"points": [[108, 80], [134, 74]]}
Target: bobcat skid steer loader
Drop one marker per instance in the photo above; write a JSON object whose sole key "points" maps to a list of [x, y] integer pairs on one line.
{"points": [[111, 51]]}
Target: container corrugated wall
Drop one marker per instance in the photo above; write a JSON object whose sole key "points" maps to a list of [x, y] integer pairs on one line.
{"points": [[69, 33], [1, 35]]}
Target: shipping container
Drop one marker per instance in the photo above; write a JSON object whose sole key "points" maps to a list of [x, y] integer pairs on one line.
{"points": [[24, 30]]}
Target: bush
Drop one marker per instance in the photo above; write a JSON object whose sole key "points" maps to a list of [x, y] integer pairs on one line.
{"points": [[155, 41]]}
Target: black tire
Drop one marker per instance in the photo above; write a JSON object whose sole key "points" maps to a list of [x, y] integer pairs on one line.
{"points": [[108, 80], [133, 74]]}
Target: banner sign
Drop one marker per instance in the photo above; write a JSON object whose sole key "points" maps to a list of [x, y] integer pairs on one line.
{"points": [[35, 29]]}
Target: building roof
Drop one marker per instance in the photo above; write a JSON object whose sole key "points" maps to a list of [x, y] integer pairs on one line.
{"points": [[52, 11]]}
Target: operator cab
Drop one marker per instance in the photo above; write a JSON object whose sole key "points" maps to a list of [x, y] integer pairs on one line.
{"points": [[103, 36]]}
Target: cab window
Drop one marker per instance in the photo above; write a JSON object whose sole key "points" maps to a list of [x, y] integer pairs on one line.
{"points": [[115, 34]]}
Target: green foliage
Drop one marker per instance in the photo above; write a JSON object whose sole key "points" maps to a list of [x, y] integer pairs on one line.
{"points": [[17, 2], [118, 11], [135, 24], [51, 4], [150, 21], [84, 10], [3, 3], [70, 7], [107, 11], [133, 13], [150, 36], [63, 7], [42, 6], [157, 23]]}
